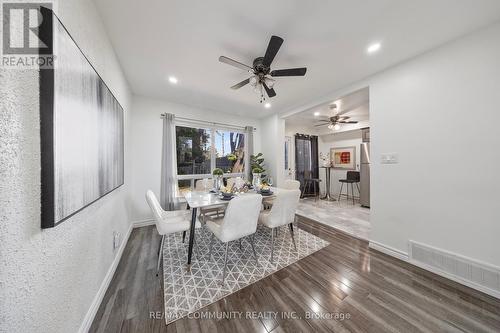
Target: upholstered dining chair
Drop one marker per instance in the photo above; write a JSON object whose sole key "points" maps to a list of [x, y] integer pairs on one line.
{"points": [[239, 221], [168, 222], [282, 213], [291, 184], [237, 181], [204, 185]]}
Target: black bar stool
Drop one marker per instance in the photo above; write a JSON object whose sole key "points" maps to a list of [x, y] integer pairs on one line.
{"points": [[352, 178], [308, 181]]}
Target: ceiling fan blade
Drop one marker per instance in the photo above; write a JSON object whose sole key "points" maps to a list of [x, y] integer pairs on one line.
{"points": [[347, 110], [290, 72], [272, 50], [270, 91], [235, 63], [348, 122], [241, 84]]}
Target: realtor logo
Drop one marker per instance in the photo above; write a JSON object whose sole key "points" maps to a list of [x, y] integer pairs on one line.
{"points": [[26, 34], [21, 28]]}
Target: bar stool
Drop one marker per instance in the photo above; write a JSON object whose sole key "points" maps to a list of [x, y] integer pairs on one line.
{"points": [[353, 177], [308, 181]]}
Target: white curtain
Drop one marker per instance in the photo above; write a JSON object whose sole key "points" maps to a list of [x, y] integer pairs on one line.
{"points": [[168, 164], [249, 144]]}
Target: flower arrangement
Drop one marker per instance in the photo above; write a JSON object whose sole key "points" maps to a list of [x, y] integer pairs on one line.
{"points": [[325, 159]]}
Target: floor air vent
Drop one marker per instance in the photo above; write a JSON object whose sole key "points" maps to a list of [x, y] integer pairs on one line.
{"points": [[467, 271]]}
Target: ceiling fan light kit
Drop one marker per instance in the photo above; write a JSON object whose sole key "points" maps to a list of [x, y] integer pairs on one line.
{"points": [[262, 75], [334, 122]]}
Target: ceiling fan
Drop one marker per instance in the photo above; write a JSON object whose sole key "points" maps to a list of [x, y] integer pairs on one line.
{"points": [[262, 75], [335, 121]]}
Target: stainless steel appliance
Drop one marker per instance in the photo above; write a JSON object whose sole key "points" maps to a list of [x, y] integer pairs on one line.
{"points": [[364, 196]]}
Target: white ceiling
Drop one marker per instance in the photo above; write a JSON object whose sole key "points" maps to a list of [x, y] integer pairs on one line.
{"points": [[157, 38], [356, 105]]}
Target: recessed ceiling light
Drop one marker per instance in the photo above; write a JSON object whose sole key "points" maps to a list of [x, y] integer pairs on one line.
{"points": [[267, 105], [172, 79], [373, 48], [316, 113]]}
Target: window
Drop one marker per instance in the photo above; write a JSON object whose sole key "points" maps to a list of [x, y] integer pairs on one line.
{"points": [[230, 151], [193, 150], [200, 150]]}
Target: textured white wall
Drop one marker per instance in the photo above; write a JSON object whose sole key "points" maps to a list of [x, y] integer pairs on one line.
{"points": [[48, 278], [147, 140]]}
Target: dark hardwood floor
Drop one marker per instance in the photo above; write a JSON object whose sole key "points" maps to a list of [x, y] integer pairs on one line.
{"points": [[374, 293]]}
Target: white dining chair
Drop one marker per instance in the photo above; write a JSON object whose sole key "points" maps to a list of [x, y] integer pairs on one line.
{"points": [[168, 222], [291, 184], [235, 181], [204, 185], [240, 220], [281, 213]]}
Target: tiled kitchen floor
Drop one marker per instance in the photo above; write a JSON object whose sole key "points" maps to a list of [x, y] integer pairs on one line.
{"points": [[344, 216]]}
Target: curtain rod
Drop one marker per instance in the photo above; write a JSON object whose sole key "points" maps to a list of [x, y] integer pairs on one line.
{"points": [[208, 122]]}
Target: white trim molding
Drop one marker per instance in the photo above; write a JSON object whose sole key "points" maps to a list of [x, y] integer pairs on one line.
{"points": [[89, 317], [96, 303], [389, 250], [464, 270], [143, 223], [465, 282], [407, 258]]}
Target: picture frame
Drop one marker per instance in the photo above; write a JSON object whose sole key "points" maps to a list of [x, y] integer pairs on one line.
{"points": [[81, 130], [343, 158]]}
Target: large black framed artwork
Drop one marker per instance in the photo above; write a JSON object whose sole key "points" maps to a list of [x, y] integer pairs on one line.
{"points": [[81, 129]]}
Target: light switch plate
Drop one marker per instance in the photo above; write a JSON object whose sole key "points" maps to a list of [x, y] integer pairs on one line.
{"points": [[390, 158]]}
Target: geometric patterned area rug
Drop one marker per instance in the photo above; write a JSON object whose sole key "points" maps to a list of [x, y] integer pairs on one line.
{"points": [[186, 292]]}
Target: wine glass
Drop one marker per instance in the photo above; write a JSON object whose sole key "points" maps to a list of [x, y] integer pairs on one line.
{"points": [[270, 181]]}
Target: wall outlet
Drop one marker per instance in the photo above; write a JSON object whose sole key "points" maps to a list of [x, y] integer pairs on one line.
{"points": [[390, 158], [116, 240]]}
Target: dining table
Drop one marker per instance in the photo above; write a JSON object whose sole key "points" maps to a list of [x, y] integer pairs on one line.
{"points": [[207, 199]]}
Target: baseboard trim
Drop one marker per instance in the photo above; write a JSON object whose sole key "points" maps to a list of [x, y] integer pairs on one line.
{"points": [[389, 250], [96, 303], [457, 279], [405, 257], [143, 223]]}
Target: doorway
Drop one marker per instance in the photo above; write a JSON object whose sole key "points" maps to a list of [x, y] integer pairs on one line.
{"points": [[341, 129]]}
